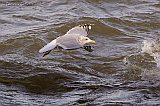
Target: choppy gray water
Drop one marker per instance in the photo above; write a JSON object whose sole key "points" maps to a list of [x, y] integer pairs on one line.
{"points": [[117, 72]]}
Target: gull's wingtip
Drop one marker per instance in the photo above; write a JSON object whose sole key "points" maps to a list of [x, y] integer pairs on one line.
{"points": [[48, 47], [86, 25], [41, 50]]}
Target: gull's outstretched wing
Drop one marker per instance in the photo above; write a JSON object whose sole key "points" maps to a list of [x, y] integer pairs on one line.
{"points": [[81, 30], [48, 47]]}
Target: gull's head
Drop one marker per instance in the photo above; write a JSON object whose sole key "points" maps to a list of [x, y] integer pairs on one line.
{"points": [[85, 40]]}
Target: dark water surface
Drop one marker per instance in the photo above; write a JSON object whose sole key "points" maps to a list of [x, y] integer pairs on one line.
{"points": [[115, 73]]}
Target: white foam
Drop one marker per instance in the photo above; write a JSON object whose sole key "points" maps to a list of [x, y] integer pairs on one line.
{"points": [[152, 47]]}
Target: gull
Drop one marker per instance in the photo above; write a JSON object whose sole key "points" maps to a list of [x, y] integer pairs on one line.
{"points": [[75, 38]]}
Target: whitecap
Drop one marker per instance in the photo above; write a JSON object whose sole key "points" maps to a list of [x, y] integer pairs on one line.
{"points": [[152, 47]]}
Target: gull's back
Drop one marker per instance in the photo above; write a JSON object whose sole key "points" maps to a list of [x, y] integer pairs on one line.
{"points": [[69, 41]]}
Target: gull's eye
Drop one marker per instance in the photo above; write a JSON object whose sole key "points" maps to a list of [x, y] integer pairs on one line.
{"points": [[86, 39]]}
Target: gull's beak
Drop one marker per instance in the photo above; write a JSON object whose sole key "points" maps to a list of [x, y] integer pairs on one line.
{"points": [[92, 42]]}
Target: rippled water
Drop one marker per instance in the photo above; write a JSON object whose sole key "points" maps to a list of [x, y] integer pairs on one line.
{"points": [[120, 70]]}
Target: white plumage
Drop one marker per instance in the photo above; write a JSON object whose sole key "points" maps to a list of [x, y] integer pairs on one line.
{"points": [[73, 39]]}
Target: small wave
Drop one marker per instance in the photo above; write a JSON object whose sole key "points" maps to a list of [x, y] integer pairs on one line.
{"points": [[152, 47], [146, 63]]}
